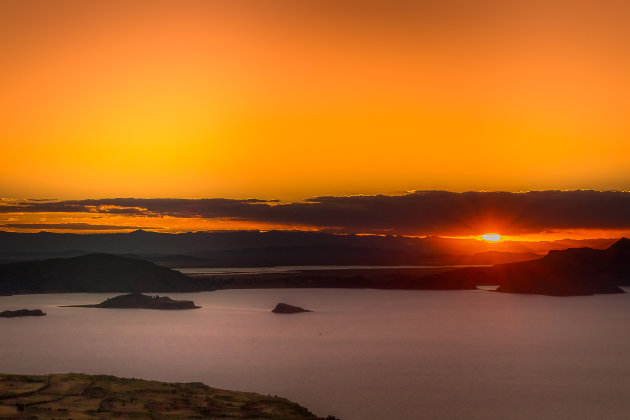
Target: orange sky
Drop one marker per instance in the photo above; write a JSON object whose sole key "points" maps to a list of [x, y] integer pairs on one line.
{"points": [[288, 99]]}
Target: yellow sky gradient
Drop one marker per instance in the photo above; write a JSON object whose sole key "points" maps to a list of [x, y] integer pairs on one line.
{"points": [[294, 99], [297, 99]]}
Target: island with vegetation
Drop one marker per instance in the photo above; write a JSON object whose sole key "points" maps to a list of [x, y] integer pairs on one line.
{"points": [[140, 301], [79, 396], [22, 312]]}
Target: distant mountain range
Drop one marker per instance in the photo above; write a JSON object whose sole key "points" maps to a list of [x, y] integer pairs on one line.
{"points": [[573, 271], [254, 248]]}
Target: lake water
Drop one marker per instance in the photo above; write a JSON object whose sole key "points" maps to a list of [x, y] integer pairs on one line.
{"points": [[363, 354], [295, 268]]}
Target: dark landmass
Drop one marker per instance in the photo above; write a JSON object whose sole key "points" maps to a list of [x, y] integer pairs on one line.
{"points": [[334, 255], [79, 396], [296, 256], [255, 248], [176, 261], [574, 271], [389, 278], [283, 308], [316, 255], [110, 273], [616, 264], [570, 272], [97, 273], [92, 273], [22, 312], [494, 257], [140, 301]]}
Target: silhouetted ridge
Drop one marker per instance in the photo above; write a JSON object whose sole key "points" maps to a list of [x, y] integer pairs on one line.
{"points": [[621, 248], [617, 261], [141, 232], [573, 258], [569, 272], [92, 273], [254, 248]]}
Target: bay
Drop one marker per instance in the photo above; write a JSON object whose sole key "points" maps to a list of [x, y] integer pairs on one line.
{"points": [[362, 354]]}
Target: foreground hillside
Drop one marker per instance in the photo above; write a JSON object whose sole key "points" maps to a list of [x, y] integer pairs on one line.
{"points": [[80, 396], [92, 273]]}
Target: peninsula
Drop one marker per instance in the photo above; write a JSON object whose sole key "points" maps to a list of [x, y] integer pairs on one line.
{"points": [[569, 272], [283, 308]]}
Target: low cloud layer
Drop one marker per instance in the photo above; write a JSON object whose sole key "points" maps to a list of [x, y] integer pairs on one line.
{"points": [[72, 226], [416, 213]]}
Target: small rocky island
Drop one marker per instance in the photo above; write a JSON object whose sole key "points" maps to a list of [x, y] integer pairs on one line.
{"points": [[283, 308], [22, 312], [79, 396], [138, 300]]}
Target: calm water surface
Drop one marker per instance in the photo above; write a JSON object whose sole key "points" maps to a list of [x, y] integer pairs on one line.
{"points": [[294, 268], [363, 354]]}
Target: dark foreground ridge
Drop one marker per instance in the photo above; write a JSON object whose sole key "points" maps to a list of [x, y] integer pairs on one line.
{"points": [[82, 396], [92, 273], [140, 301], [22, 312], [570, 272], [283, 308]]}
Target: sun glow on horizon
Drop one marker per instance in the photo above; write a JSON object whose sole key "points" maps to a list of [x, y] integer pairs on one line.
{"points": [[491, 237]]}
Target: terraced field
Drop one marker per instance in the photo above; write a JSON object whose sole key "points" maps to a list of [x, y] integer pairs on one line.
{"points": [[78, 396]]}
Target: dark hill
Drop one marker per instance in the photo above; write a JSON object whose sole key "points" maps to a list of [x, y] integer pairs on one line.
{"points": [[92, 273], [617, 262], [140, 301], [22, 312], [495, 257], [570, 272]]}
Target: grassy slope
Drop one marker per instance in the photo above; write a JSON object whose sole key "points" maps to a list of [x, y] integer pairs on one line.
{"points": [[79, 396]]}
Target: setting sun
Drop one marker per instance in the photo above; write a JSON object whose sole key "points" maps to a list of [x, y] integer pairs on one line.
{"points": [[492, 237]]}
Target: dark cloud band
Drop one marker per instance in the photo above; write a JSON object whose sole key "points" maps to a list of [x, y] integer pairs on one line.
{"points": [[416, 213], [72, 226]]}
